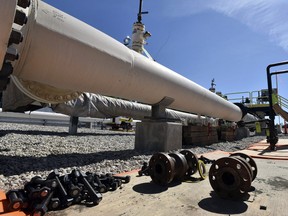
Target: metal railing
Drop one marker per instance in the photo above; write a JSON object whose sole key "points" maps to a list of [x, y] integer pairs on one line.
{"points": [[248, 98], [283, 102], [256, 98]]}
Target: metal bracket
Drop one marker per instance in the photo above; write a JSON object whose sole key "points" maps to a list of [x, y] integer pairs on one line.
{"points": [[159, 109]]}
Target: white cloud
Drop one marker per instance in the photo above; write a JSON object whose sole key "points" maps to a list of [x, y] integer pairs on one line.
{"points": [[265, 16], [185, 7]]}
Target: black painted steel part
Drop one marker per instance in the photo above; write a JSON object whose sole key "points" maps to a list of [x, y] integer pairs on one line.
{"points": [[231, 177]]}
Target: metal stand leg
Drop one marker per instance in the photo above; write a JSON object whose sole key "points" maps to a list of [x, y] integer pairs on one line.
{"points": [[73, 125]]}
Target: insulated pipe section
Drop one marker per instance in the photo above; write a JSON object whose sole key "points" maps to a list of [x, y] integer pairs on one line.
{"points": [[99, 106], [66, 53]]}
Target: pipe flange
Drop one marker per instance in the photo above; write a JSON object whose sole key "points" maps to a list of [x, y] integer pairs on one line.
{"points": [[44, 93], [251, 162], [181, 165], [162, 168], [12, 14], [192, 161], [7, 16], [246, 164], [230, 178]]}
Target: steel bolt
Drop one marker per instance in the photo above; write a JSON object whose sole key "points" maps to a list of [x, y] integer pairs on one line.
{"points": [[11, 54], [20, 18], [37, 213], [44, 193], [23, 3], [16, 37], [125, 179]]}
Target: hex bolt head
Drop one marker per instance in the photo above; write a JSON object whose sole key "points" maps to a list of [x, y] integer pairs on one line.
{"points": [[125, 179], [15, 203], [44, 193], [74, 191], [20, 18], [37, 213], [16, 37], [102, 188], [54, 203], [11, 54], [23, 3], [6, 70]]}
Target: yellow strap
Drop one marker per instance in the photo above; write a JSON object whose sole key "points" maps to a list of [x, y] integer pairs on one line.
{"points": [[258, 127], [274, 98]]}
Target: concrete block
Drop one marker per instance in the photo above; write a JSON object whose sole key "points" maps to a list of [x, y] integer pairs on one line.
{"points": [[158, 136]]}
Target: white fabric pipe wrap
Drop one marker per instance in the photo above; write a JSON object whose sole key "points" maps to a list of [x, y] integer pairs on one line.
{"points": [[98, 106], [66, 53]]}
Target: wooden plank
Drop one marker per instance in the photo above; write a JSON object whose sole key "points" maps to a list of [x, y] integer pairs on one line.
{"points": [[193, 134], [228, 135], [200, 140], [198, 128]]}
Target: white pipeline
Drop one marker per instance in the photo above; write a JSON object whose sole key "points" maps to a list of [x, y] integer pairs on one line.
{"points": [[61, 51]]}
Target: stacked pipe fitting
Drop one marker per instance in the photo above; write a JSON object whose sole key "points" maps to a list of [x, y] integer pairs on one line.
{"points": [[10, 38], [164, 168], [58, 192], [231, 177]]}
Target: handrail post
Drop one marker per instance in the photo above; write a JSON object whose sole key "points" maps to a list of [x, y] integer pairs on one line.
{"points": [[273, 137]]}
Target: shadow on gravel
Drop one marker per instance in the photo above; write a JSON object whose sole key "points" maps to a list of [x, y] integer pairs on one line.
{"points": [[61, 134], [50, 162]]}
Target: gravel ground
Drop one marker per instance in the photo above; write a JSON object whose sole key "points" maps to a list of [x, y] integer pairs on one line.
{"points": [[29, 150]]}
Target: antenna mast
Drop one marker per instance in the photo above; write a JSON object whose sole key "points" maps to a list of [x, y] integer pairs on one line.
{"points": [[139, 15]]}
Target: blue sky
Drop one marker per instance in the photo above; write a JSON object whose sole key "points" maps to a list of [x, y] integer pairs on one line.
{"points": [[231, 41]]}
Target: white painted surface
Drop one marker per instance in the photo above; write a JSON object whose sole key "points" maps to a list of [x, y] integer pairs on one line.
{"points": [[66, 53]]}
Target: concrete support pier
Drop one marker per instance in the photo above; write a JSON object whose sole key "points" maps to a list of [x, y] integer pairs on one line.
{"points": [[73, 125], [158, 136]]}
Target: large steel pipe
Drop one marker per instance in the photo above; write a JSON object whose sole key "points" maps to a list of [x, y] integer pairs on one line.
{"points": [[61, 51]]}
